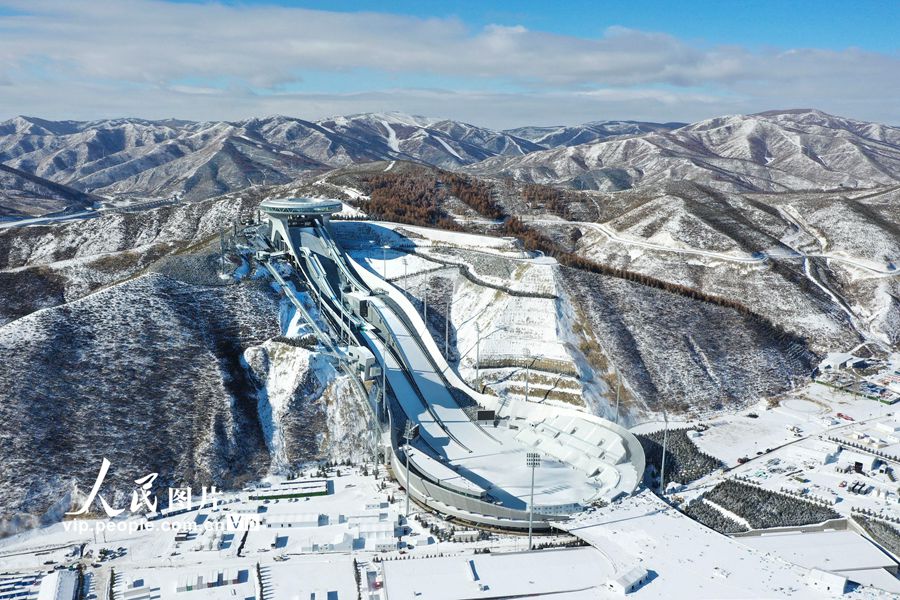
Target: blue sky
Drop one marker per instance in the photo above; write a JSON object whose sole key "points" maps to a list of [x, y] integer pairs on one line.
{"points": [[499, 64], [870, 24]]}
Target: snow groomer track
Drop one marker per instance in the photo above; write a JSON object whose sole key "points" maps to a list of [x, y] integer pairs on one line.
{"points": [[474, 471]]}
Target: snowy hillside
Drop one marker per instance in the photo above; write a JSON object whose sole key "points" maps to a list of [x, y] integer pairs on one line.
{"points": [[442, 143], [553, 137], [139, 159], [828, 259], [144, 371], [191, 160], [579, 333], [23, 195], [175, 371], [772, 151], [46, 265]]}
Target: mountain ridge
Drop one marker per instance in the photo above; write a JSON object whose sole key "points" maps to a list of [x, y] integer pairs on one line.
{"points": [[128, 159], [23, 195], [763, 152]]}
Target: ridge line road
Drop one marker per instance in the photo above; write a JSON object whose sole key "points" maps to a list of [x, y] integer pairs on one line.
{"points": [[761, 257]]}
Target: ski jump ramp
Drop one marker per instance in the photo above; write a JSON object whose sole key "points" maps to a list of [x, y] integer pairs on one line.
{"points": [[474, 471]]}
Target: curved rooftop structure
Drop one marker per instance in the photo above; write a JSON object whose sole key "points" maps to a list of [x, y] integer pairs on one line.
{"points": [[294, 207]]}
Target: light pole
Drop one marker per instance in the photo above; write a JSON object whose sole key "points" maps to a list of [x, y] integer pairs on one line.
{"points": [[384, 377], [375, 444], [341, 309], [477, 347], [384, 250], [425, 303], [618, 391], [662, 470], [409, 433], [447, 329], [664, 403], [533, 461], [527, 359], [477, 351]]}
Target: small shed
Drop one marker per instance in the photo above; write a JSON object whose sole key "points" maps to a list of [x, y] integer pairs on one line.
{"points": [[365, 363], [628, 581], [293, 520]]}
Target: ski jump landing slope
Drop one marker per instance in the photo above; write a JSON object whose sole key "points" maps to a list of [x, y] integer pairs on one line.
{"points": [[458, 466]]}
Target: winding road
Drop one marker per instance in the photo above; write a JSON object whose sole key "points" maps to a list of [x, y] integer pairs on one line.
{"points": [[736, 257]]}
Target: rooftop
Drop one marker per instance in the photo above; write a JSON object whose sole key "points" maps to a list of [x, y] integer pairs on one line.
{"points": [[300, 206], [556, 572], [688, 559], [826, 550]]}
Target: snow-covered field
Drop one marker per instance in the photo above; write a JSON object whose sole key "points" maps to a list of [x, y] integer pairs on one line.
{"points": [[354, 540], [688, 560], [812, 410]]}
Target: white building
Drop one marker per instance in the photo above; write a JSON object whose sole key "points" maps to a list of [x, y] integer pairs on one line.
{"points": [[58, 585], [293, 520], [341, 542], [628, 581], [468, 535], [199, 581], [891, 426], [830, 453], [835, 361], [369, 516], [856, 461]]}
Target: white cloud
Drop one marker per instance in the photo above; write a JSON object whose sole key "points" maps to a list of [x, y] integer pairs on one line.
{"points": [[144, 57]]}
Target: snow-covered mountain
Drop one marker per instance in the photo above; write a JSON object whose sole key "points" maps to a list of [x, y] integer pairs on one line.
{"points": [[150, 158], [25, 195], [562, 135], [713, 298], [135, 158], [439, 142], [771, 152], [161, 159]]}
